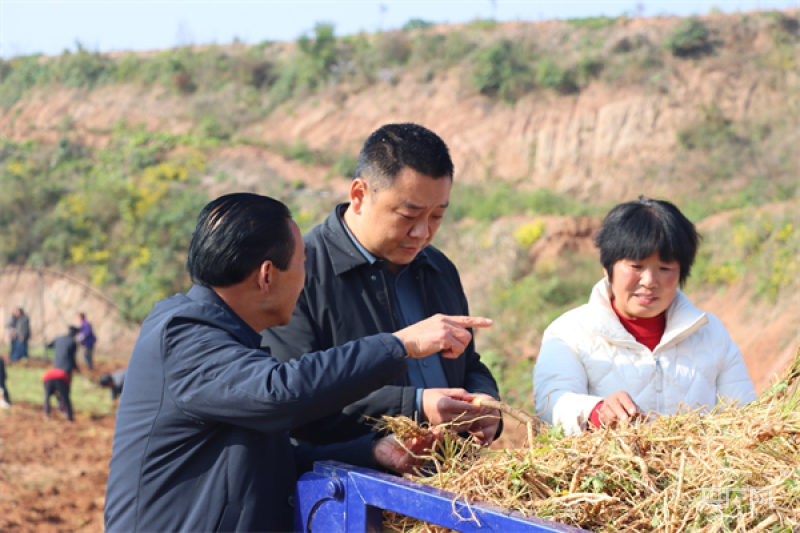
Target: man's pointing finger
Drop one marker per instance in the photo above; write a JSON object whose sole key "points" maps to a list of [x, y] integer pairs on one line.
{"points": [[471, 321]]}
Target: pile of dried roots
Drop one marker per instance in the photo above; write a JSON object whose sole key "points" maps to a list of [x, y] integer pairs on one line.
{"points": [[734, 469]]}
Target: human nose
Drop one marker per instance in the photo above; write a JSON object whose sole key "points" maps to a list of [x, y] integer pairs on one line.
{"points": [[648, 278], [420, 230]]}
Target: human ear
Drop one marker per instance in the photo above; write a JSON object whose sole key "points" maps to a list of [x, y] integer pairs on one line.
{"points": [[605, 273], [358, 194], [266, 274]]}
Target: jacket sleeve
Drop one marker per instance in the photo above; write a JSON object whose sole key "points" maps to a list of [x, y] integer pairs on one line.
{"points": [[561, 385], [733, 380], [212, 377], [301, 336], [359, 417], [356, 452]]}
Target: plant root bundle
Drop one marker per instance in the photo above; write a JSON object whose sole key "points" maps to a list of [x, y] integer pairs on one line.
{"points": [[730, 469]]}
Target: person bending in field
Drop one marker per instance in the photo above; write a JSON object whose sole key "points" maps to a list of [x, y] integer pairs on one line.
{"points": [[57, 383], [114, 381]]}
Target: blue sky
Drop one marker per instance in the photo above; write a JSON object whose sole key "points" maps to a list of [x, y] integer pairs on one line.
{"points": [[50, 26]]}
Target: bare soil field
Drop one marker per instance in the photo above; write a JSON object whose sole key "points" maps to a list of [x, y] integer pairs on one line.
{"points": [[53, 473]]}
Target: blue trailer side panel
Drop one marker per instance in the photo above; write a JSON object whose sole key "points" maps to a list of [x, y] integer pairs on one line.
{"points": [[340, 498]]}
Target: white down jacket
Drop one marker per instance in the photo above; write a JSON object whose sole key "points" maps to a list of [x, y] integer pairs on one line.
{"points": [[587, 355]]}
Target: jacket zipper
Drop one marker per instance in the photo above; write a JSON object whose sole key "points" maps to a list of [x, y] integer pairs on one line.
{"points": [[659, 381], [391, 312]]}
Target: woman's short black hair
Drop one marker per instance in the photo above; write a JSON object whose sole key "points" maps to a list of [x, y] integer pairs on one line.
{"points": [[234, 235], [636, 230], [392, 147]]}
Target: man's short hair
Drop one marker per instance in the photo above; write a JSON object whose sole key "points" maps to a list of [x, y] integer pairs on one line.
{"points": [[395, 146], [635, 230], [234, 235], [73, 330]]}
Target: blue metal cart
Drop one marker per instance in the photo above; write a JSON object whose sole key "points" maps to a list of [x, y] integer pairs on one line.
{"points": [[337, 497]]}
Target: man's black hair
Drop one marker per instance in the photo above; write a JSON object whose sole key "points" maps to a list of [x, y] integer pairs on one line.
{"points": [[234, 235], [73, 330], [635, 230], [105, 380], [395, 146]]}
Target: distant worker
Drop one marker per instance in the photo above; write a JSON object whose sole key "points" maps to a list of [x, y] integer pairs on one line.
{"points": [[66, 347], [114, 381], [5, 399], [11, 326], [87, 339], [57, 382], [20, 335]]}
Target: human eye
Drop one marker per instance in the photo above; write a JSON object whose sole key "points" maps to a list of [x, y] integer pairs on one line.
{"points": [[407, 217]]}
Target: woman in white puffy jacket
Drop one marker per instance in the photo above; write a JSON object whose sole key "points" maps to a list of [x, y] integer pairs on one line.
{"points": [[639, 346]]}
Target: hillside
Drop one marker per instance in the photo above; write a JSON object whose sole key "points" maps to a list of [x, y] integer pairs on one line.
{"points": [[105, 159]]}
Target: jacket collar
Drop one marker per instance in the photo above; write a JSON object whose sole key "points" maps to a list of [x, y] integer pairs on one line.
{"points": [[683, 318], [344, 254], [247, 334]]}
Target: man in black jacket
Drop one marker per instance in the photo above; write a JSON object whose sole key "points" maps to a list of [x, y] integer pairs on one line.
{"points": [[371, 269], [65, 351], [201, 441]]}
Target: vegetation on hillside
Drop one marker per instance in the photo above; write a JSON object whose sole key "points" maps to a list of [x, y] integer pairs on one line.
{"points": [[504, 65], [120, 214]]}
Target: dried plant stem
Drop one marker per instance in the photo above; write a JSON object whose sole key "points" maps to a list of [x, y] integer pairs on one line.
{"points": [[518, 414]]}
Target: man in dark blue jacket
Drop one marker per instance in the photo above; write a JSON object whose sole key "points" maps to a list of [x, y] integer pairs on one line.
{"points": [[201, 441], [371, 268]]}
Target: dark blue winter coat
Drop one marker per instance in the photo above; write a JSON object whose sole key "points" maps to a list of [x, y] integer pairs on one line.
{"points": [[201, 441]]}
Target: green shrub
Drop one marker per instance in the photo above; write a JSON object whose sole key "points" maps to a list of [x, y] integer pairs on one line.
{"points": [[211, 128], [587, 69], [309, 68], [501, 70], [759, 244], [490, 202], [427, 48], [457, 46], [690, 38], [480, 24], [713, 130], [593, 23], [417, 24], [345, 165], [83, 69], [551, 75], [299, 151], [392, 49]]}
